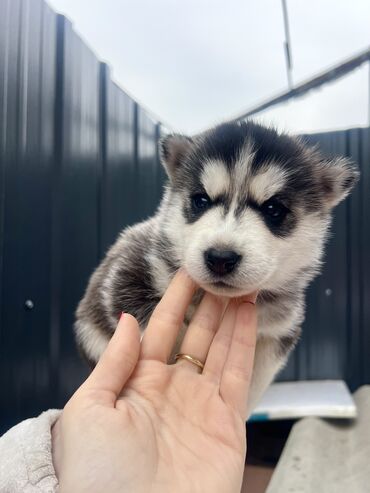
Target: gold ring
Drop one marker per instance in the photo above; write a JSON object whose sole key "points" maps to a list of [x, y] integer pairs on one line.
{"points": [[189, 358]]}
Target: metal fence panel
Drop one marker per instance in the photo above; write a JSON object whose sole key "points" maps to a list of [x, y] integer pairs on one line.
{"points": [[334, 332], [119, 197], [9, 33], [79, 168], [364, 185], [9, 41], [326, 300], [353, 369], [147, 169], [27, 144]]}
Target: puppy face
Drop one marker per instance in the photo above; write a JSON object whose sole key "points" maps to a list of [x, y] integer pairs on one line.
{"points": [[248, 208]]}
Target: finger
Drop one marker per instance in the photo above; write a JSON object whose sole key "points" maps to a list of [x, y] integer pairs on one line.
{"points": [[238, 367], [118, 360], [202, 329], [165, 323], [219, 348]]}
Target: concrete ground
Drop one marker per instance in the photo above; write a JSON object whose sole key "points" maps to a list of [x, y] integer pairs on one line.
{"points": [[320, 456], [327, 455]]}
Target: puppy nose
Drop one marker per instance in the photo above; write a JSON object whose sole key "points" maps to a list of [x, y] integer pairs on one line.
{"points": [[221, 262]]}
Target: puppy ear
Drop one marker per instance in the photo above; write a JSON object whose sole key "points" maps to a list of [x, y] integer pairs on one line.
{"points": [[338, 177], [172, 149]]}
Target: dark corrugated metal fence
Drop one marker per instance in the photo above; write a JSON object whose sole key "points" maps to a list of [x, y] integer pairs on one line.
{"points": [[74, 152], [78, 162], [336, 332]]}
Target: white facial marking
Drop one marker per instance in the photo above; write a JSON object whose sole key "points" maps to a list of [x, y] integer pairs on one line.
{"points": [[267, 261], [246, 235], [302, 248], [242, 167], [215, 178], [267, 183]]}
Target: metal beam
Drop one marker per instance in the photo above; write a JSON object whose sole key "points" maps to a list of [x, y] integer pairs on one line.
{"points": [[287, 45], [329, 75]]}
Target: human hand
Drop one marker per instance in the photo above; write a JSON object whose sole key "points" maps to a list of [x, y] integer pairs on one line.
{"points": [[138, 424]]}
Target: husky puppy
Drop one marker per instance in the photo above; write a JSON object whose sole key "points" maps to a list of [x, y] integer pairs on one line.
{"points": [[246, 208]]}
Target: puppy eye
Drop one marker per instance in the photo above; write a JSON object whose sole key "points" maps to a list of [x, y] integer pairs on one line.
{"points": [[200, 201], [274, 210]]}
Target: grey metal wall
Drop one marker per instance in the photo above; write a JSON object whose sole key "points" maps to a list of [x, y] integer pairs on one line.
{"points": [[74, 152], [27, 92], [78, 162], [336, 333]]}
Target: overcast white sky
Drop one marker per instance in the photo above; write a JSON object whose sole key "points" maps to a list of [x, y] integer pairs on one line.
{"points": [[197, 62]]}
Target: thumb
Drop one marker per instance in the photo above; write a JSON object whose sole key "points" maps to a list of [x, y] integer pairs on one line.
{"points": [[118, 360]]}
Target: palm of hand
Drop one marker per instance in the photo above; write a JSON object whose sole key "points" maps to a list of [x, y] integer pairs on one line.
{"points": [[183, 424], [165, 433], [140, 425]]}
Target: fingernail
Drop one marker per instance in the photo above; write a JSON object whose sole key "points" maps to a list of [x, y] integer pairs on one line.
{"points": [[253, 298], [250, 298], [121, 317]]}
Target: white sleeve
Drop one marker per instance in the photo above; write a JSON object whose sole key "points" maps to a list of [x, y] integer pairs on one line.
{"points": [[25, 456]]}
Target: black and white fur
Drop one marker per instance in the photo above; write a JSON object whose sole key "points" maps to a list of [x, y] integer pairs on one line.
{"points": [[238, 187]]}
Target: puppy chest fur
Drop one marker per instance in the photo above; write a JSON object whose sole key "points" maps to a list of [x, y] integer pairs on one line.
{"points": [[245, 209]]}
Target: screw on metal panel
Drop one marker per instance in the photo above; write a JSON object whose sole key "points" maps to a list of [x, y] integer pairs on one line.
{"points": [[328, 292], [29, 304]]}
